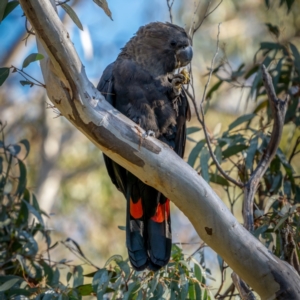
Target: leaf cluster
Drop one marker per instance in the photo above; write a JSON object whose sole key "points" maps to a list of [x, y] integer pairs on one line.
{"points": [[239, 149], [27, 271]]}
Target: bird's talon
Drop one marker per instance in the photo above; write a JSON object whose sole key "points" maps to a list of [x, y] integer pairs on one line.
{"points": [[148, 133]]}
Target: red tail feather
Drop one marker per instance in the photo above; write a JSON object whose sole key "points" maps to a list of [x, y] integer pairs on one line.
{"points": [[136, 209], [162, 212]]}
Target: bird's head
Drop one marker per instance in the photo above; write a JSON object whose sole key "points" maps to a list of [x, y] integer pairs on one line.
{"points": [[160, 47]]}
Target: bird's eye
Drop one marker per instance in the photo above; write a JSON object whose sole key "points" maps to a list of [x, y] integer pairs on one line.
{"points": [[173, 43]]}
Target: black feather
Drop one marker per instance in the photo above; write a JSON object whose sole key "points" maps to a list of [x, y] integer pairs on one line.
{"points": [[139, 84]]}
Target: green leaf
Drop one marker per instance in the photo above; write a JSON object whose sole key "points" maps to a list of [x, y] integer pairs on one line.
{"points": [[26, 82], [23, 215], [103, 4], [32, 210], [296, 56], [253, 70], [99, 278], [3, 4], [198, 272], [14, 149], [55, 278], [273, 29], [192, 292], [240, 120], [125, 268], [4, 72], [35, 203], [31, 58], [232, 150], [215, 178], [31, 247], [48, 272], [22, 179], [198, 291], [26, 145], [69, 276], [78, 276], [261, 106], [251, 153], [9, 284], [260, 230], [184, 290], [9, 8], [218, 154], [281, 221], [191, 130], [195, 153], [204, 158], [85, 289], [69, 10], [270, 46], [113, 258], [213, 89]]}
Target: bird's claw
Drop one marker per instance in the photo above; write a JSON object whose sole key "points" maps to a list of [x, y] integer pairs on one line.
{"points": [[148, 133]]}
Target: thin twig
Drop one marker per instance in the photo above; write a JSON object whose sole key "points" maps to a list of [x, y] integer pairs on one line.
{"points": [[170, 4], [24, 74], [223, 273], [206, 14], [294, 152], [245, 292], [202, 120]]}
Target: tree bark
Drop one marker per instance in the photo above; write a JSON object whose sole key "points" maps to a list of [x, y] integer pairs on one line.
{"points": [[152, 161]]}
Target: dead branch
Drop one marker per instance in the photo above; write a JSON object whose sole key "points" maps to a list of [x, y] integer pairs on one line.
{"points": [[278, 108]]}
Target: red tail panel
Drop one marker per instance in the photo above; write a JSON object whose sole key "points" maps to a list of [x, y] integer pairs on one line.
{"points": [[162, 212], [136, 209]]}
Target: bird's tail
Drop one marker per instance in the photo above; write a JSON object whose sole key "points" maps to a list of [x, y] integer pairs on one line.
{"points": [[159, 236], [148, 238]]}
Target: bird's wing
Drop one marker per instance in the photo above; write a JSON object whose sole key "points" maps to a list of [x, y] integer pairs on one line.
{"points": [[106, 87]]}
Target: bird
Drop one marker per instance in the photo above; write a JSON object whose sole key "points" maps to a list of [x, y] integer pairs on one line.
{"points": [[145, 84]]}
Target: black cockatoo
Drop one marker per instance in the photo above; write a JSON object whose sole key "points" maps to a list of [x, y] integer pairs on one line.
{"points": [[142, 85]]}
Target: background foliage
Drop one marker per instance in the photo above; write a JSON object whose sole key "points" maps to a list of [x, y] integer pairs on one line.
{"points": [[63, 166]]}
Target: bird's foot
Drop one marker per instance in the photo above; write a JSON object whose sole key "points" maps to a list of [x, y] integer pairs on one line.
{"points": [[148, 133]]}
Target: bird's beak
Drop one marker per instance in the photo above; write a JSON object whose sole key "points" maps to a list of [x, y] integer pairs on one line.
{"points": [[184, 56]]}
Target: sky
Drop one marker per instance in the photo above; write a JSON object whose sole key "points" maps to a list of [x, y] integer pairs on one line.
{"points": [[100, 42]]}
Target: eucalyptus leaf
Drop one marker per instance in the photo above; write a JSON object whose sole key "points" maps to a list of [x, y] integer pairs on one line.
{"points": [[31, 58], [3, 4], [103, 4], [11, 5], [69, 10], [9, 284], [204, 158], [4, 73]]}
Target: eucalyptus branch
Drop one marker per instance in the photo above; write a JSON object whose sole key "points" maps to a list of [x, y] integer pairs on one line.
{"points": [[278, 108]]}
